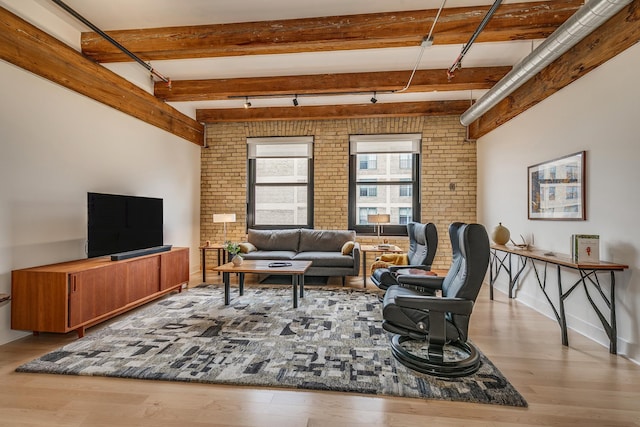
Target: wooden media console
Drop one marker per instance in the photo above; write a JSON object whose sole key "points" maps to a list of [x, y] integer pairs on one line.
{"points": [[77, 294]]}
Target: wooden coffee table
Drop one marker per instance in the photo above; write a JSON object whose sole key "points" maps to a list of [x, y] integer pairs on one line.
{"points": [[295, 268]]}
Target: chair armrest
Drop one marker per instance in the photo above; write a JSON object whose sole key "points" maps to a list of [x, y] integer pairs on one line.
{"points": [[445, 305], [420, 280], [418, 267]]}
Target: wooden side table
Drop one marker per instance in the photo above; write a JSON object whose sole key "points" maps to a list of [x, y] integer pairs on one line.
{"points": [[375, 249], [222, 257]]}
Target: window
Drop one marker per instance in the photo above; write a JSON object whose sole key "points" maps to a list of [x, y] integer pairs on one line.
{"points": [[368, 161], [405, 161], [552, 193], [406, 191], [404, 215], [368, 191], [384, 178], [280, 182]]}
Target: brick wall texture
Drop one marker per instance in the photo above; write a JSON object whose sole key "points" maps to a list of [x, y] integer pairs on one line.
{"points": [[448, 173]]}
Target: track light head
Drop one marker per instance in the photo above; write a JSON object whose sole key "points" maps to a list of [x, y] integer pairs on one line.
{"points": [[295, 101], [374, 99], [247, 104]]}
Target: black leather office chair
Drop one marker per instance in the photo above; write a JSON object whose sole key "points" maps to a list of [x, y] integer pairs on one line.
{"points": [[423, 243], [441, 323]]}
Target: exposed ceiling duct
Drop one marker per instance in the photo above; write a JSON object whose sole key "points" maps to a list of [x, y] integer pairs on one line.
{"points": [[577, 27]]}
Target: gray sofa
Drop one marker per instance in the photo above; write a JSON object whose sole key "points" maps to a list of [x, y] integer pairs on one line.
{"points": [[323, 247]]}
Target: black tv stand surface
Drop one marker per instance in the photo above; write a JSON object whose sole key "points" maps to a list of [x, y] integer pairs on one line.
{"points": [[140, 252]]}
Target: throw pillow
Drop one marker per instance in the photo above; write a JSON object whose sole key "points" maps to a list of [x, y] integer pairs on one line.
{"points": [[246, 247], [347, 248]]}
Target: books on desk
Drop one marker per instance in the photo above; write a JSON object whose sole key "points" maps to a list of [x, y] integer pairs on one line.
{"points": [[585, 247]]}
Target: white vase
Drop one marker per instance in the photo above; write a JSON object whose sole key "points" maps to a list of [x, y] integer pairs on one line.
{"points": [[236, 260]]}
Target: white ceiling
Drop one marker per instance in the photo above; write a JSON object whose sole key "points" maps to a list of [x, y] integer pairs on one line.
{"points": [[130, 14]]}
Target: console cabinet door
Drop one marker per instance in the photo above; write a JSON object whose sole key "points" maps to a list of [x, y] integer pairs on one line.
{"points": [[95, 292], [143, 278], [174, 268]]}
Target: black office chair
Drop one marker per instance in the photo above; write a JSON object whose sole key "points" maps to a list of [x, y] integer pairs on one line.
{"points": [[441, 323], [423, 243]]}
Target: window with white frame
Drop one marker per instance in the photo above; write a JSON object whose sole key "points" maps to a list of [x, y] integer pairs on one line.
{"points": [[387, 185], [280, 182]]}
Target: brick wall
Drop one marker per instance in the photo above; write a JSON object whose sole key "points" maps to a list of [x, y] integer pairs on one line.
{"points": [[448, 187]]}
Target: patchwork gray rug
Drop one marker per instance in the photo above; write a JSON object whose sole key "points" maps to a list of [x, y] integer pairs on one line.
{"points": [[333, 341]]}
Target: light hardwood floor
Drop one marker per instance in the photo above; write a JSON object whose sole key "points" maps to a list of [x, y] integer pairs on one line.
{"points": [[582, 385]]}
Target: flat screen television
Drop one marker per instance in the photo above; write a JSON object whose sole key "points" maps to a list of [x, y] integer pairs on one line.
{"points": [[119, 223]]}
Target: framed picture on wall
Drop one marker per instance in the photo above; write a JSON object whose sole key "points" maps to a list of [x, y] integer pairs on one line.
{"points": [[556, 188]]}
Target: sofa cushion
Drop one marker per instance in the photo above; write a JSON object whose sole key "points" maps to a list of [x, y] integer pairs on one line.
{"points": [[324, 240], [275, 255], [325, 259], [274, 240]]}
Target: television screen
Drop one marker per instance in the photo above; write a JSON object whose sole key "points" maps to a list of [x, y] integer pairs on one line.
{"points": [[118, 223]]}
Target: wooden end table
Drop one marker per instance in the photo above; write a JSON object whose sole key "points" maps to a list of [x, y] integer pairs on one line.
{"points": [[222, 255], [375, 249], [295, 268]]}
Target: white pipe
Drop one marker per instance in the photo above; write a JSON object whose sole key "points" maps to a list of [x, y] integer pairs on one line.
{"points": [[577, 27]]}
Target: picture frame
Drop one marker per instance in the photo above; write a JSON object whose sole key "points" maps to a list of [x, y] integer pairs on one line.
{"points": [[556, 188]]}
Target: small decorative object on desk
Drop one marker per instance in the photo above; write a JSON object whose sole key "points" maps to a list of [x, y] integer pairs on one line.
{"points": [[524, 245], [233, 249], [500, 234], [585, 247], [384, 246]]}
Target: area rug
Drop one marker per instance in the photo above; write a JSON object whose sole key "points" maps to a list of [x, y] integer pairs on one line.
{"points": [[333, 341]]}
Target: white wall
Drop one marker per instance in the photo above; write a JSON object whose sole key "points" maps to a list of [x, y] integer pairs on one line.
{"points": [[599, 114], [55, 146]]}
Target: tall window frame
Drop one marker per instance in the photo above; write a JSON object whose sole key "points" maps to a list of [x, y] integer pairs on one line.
{"points": [[392, 152], [296, 152]]}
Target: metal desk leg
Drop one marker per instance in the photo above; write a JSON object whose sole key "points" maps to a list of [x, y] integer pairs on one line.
{"points": [[613, 339], [301, 283], [563, 319], [241, 284], [510, 279], [492, 260], [204, 265], [225, 279]]}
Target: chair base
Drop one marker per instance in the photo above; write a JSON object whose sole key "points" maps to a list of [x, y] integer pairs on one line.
{"points": [[439, 368]]}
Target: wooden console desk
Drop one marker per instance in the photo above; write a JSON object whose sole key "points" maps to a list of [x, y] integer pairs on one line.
{"points": [[501, 259]]}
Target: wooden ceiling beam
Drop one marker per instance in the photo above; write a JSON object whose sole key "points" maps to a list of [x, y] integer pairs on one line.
{"points": [[328, 112], [30, 48], [423, 81], [610, 39], [517, 21]]}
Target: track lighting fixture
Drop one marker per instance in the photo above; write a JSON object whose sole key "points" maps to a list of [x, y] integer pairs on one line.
{"points": [[247, 104], [374, 99], [295, 101]]}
